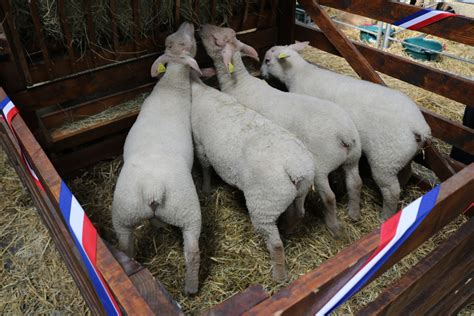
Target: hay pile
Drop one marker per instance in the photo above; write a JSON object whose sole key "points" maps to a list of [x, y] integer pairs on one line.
{"points": [[111, 113], [34, 279], [150, 14]]}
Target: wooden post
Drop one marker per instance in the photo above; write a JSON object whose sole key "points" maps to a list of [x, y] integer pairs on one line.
{"points": [[340, 41], [285, 22]]}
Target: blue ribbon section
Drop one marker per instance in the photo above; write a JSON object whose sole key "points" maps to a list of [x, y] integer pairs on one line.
{"points": [[411, 16], [65, 199], [427, 203], [4, 103]]}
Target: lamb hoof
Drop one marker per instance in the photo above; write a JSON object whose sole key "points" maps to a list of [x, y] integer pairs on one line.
{"points": [[336, 231], [191, 289], [279, 275], [385, 215], [354, 216]]}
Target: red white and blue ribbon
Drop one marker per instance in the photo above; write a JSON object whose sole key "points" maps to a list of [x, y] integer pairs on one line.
{"points": [[393, 233], [85, 237], [9, 111], [422, 18], [80, 227]]}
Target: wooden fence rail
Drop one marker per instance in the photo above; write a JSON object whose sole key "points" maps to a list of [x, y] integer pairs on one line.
{"points": [[121, 286], [458, 28], [305, 295]]}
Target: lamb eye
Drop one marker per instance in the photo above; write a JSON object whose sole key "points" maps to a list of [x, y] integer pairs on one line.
{"points": [[267, 60]]}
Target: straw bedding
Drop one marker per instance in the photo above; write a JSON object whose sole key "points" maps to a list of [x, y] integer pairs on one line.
{"points": [[35, 280]]}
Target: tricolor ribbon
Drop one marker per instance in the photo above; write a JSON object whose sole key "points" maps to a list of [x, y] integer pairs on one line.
{"points": [[422, 18], [393, 233], [9, 111], [80, 227]]}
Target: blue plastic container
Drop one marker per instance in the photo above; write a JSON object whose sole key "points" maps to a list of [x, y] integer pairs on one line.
{"points": [[421, 52], [371, 38]]}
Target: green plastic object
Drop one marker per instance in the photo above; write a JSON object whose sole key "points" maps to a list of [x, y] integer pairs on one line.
{"points": [[371, 38], [420, 52]]}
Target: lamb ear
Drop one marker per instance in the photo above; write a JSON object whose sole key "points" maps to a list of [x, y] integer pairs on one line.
{"points": [[299, 46], [227, 53], [249, 51], [191, 62], [163, 59], [208, 72], [187, 28]]}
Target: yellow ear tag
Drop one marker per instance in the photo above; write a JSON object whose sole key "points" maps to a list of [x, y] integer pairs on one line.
{"points": [[231, 68], [160, 68], [282, 56]]}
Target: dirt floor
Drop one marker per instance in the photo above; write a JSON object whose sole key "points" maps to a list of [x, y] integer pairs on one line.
{"points": [[35, 280]]}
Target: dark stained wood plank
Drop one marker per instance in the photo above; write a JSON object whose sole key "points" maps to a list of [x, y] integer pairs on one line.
{"points": [[113, 24], [136, 24], [261, 12], [444, 269], [440, 82], [129, 265], [284, 12], [239, 303], [119, 283], [196, 10], [275, 11], [438, 164], [177, 13], [315, 288], [33, 4], [67, 34], [452, 304], [159, 300], [347, 49], [113, 79], [421, 182], [86, 109], [213, 11], [66, 139], [52, 221], [451, 132], [88, 155], [245, 15], [458, 29], [16, 47], [91, 35], [456, 165]]}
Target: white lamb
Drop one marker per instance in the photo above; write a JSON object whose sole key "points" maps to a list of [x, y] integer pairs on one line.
{"points": [[325, 129], [391, 127], [155, 182], [271, 166]]}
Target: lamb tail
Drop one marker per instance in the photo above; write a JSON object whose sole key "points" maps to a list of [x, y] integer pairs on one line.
{"points": [[153, 194]]}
